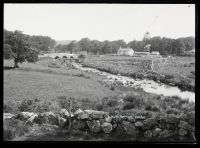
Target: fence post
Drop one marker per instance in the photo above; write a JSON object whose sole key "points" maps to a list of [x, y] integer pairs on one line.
{"points": [[70, 104]]}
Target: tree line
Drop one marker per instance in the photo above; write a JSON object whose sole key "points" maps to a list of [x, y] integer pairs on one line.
{"points": [[22, 47], [166, 46]]}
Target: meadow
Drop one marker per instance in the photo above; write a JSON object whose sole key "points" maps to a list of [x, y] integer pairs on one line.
{"points": [[47, 85], [178, 71]]}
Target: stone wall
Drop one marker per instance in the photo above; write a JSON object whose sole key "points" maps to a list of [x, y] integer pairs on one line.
{"points": [[136, 128]]}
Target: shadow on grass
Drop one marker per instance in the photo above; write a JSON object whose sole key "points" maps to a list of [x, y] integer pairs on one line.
{"points": [[8, 68]]}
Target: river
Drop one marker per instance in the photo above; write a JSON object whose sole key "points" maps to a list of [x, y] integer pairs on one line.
{"points": [[146, 85]]}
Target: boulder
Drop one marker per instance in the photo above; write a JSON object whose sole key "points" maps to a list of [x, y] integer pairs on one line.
{"points": [[64, 113], [106, 127], [131, 119], [148, 134], [82, 115], [182, 132], [108, 119], [116, 119], [24, 116], [129, 128], [138, 124], [94, 125], [61, 121], [165, 134], [79, 111], [79, 124], [8, 116], [149, 123], [96, 114], [156, 132], [49, 118], [32, 118]]}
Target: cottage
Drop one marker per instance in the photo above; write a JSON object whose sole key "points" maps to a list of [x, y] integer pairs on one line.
{"points": [[125, 51], [191, 51]]}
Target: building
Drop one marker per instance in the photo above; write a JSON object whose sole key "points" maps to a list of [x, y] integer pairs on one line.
{"points": [[125, 51], [155, 53], [191, 51], [142, 53]]}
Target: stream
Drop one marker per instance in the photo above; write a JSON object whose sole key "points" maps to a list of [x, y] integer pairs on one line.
{"points": [[146, 85]]}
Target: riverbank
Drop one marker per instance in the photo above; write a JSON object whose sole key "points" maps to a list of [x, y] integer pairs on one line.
{"points": [[175, 71]]}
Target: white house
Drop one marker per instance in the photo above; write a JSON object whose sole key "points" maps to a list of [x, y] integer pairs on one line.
{"points": [[125, 51]]}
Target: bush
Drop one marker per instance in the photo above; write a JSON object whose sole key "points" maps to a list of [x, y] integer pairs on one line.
{"points": [[7, 109], [129, 105], [25, 105], [14, 128]]}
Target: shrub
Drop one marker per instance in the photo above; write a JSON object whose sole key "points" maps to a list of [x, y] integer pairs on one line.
{"points": [[7, 109], [14, 128], [112, 87], [99, 107], [129, 105], [25, 105]]}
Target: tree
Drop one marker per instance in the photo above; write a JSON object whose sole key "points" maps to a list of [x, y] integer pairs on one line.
{"points": [[178, 47], [146, 38], [17, 47], [43, 44], [71, 46], [85, 44]]}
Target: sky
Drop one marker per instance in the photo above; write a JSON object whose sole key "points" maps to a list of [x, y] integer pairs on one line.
{"points": [[101, 21]]}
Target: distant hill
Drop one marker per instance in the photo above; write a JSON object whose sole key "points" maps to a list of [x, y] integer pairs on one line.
{"points": [[63, 42]]}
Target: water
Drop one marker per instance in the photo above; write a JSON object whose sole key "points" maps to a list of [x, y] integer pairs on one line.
{"points": [[149, 86]]}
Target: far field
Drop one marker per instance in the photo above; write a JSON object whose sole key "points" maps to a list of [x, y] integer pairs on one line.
{"points": [[177, 70]]}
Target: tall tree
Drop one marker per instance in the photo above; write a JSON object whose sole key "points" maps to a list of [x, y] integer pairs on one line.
{"points": [[17, 47]]}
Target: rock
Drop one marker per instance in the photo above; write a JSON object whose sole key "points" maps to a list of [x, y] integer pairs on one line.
{"points": [[106, 127], [138, 124], [182, 132], [171, 119], [61, 121], [148, 123], [64, 113], [49, 118], [164, 134], [79, 124], [102, 120], [184, 125], [96, 114], [129, 128], [25, 115], [148, 134], [32, 118], [131, 119], [82, 115], [8, 116], [108, 119], [94, 126], [79, 111], [156, 132], [114, 125]]}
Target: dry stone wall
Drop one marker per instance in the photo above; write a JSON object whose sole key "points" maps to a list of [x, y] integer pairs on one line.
{"points": [[158, 128]]}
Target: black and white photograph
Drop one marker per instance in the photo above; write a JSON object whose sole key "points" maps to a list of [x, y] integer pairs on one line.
{"points": [[105, 72]]}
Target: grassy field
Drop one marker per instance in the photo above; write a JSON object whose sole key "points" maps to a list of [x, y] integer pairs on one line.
{"points": [[48, 85], [37, 81], [177, 70]]}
